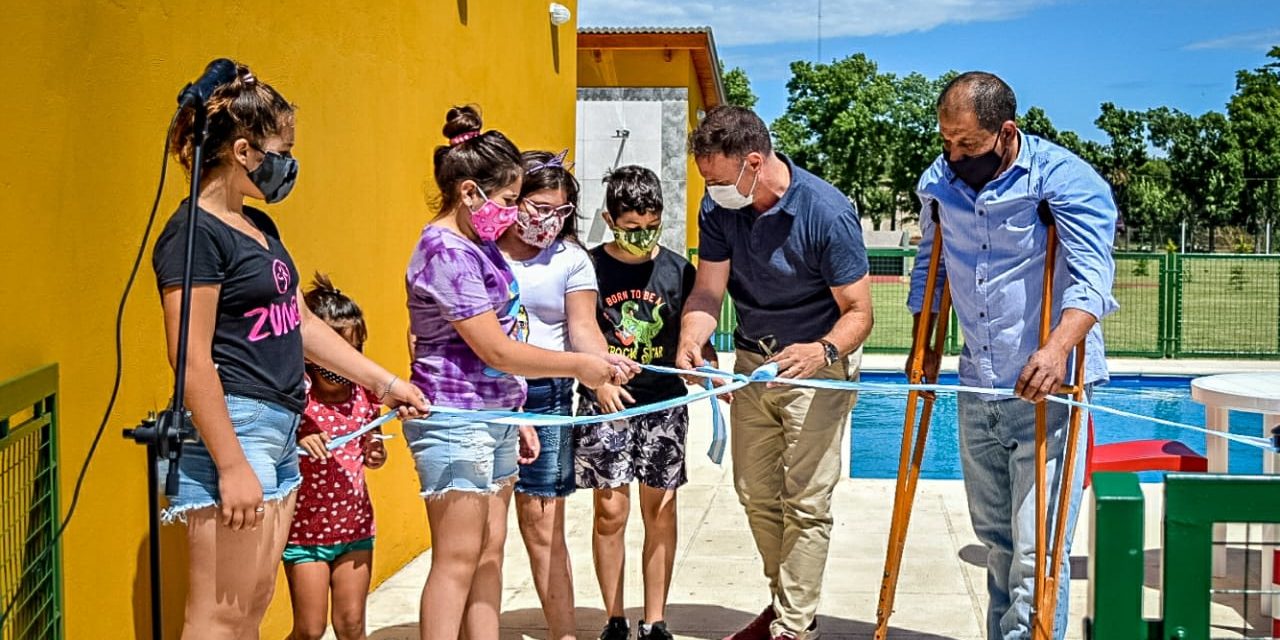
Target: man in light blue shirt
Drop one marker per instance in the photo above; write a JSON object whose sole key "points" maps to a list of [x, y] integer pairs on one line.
{"points": [[987, 185]]}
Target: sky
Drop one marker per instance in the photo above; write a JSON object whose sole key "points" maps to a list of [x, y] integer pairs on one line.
{"points": [[1066, 56]]}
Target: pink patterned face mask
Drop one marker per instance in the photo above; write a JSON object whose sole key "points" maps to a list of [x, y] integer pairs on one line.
{"points": [[540, 224], [492, 219]]}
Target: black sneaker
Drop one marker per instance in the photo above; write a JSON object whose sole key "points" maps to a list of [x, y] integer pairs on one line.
{"points": [[616, 629], [655, 631]]}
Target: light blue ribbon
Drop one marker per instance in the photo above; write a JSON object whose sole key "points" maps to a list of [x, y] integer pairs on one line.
{"points": [[446, 417], [719, 435], [341, 441]]}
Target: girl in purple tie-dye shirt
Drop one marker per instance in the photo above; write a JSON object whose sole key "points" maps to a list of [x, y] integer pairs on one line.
{"points": [[468, 324]]}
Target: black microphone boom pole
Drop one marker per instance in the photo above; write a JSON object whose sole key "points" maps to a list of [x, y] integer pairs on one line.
{"points": [[164, 436]]}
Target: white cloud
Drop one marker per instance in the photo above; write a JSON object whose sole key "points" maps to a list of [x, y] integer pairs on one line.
{"points": [[745, 22], [1256, 40]]}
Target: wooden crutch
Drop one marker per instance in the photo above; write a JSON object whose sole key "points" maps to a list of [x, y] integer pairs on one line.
{"points": [[1047, 578], [911, 454]]}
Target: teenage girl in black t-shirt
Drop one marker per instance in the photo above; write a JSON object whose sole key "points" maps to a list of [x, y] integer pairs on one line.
{"points": [[248, 337]]}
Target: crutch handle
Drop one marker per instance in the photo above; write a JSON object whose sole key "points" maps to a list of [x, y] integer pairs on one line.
{"points": [[1046, 216]]}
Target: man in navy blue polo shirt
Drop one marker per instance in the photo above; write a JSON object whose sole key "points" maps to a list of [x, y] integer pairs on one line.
{"points": [[788, 247]]}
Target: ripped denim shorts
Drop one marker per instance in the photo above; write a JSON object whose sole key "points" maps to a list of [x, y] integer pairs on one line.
{"points": [[477, 457], [268, 434]]}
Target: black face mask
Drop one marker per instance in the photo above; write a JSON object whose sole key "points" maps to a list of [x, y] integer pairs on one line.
{"points": [[275, 176], [976, 171], [329, 375]]}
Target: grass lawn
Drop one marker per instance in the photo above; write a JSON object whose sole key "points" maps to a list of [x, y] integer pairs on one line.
{"points": [[1230, 305]]}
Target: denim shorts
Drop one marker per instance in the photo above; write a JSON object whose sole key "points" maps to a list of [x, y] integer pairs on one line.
{"points": [[477, 457], [268, 434], [551, 475]]}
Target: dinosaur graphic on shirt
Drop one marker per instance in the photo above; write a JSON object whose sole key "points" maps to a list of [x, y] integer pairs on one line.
{"points": [[632, 329]]}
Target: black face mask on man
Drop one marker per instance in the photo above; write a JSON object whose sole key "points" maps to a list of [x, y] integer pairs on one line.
{"points": [[976, 171]]}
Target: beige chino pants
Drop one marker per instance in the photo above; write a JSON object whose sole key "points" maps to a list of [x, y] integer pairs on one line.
{"points": [[786, 461]]}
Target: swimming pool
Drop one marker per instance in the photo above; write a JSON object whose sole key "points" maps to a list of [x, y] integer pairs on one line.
{"points": [[877, 425]]}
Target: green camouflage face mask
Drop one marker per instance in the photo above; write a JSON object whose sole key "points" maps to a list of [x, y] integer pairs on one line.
{"points": [[638, 242]]}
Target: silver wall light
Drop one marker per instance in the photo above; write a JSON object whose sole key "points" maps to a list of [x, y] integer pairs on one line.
{"points": [[559, 14]]}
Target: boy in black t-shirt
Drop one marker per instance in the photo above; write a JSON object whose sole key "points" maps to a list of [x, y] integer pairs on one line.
{"points": [[643, 287]]}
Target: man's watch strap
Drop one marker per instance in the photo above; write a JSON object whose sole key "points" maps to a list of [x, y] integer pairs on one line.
{"points": [[830, 351]]}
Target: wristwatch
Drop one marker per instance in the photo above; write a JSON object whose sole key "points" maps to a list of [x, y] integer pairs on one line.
{"points": [[829, 351]]}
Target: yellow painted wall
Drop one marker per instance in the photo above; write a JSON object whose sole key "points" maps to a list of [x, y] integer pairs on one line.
{"points": [[88, 89], [651, 68], [695, 186]]}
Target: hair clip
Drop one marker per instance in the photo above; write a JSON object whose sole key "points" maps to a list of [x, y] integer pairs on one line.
{"points": [[248, 78], [463, 137], [555, 161]]}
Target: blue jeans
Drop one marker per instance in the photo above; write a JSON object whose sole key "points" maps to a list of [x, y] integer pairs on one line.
{"points": [[997, 453], [551, 474], [268, 434]]}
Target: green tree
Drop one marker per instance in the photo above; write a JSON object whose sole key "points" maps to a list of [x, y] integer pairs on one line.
{"points": [[1092, 152], [1037, 123], [1127, 132], [1255, 124], [1153, 207], [836, 124], [1123, 157], [1140, 186], [1204, 164], [914, 141], [737, 88]]}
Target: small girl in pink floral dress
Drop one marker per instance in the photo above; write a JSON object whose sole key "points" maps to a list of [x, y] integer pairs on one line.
{"points": [[330, 550]]}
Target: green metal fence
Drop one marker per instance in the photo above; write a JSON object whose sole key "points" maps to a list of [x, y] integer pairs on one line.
{"points": [[1193, 504], [1171, 305], [722, 339], [1226, 305], [890, 273], [1138, 328], [31, 564]]}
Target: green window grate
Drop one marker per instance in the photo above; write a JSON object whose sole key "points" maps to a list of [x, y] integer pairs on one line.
{"points": [[31, 565]]}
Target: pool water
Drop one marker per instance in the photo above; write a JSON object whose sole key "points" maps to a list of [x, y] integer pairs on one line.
{"points": [[877, 425]]}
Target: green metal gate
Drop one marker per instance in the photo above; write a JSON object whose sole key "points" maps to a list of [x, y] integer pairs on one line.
{"points": [[1139, 327], [1225, 306], [31, 566]]}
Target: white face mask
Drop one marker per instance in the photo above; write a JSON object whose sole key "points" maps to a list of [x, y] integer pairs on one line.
{"points": [[728, 196]]}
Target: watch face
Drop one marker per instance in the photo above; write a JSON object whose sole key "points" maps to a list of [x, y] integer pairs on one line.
{"points": [[831, 353]]}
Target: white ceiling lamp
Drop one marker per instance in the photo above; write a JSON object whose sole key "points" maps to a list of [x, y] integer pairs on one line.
{"points": [[559, 14]]}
